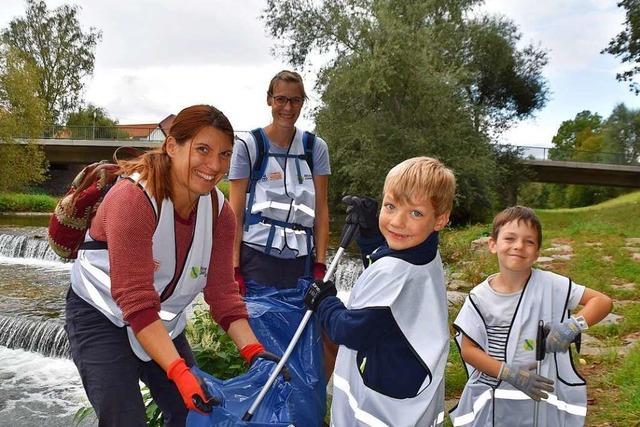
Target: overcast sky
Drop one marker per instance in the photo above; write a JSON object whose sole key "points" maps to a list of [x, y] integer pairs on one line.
{"points": [[158, 56]]}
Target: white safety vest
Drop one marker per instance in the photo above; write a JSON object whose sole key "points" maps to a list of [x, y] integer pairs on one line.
{"points": [[545, 298], [417, 298], [286, 195], [90, 272]]}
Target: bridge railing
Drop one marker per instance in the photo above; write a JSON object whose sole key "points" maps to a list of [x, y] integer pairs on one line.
{"points": [[545, 153], [107, 133]]}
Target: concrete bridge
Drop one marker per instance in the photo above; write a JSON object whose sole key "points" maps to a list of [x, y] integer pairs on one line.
{"points": [[71, 154], [564, 172], [84, 151]]}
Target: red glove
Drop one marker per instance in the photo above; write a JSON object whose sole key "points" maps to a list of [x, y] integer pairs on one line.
{"points": [[193, 396], [319, 270], [237, 276], [251, 352]]}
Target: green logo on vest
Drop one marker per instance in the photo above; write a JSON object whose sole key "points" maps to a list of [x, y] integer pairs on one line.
{"points": [[529, 344], [197, 271]]}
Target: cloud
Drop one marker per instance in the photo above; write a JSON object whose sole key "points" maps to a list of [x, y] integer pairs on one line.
{"points": [[573, 31], [148, 95], [142, 33], [192, 32]]}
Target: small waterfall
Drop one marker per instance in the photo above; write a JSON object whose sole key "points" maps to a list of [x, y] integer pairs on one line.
{"points": [[347, 272], [21, 246], [45, 337]]}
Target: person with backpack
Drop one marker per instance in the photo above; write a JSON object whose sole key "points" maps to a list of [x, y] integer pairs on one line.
{"points": [[162, 235], [279, 178]]}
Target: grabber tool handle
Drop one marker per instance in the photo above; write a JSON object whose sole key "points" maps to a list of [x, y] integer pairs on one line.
{"points": [[540, 341]]}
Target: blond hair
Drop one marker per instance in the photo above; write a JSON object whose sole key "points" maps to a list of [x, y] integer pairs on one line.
{"points": [[421, 178], [517, 214], [286, 76]]}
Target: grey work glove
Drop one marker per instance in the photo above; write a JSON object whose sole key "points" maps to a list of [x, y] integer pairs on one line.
{"points": [[524, 378], [561, 335]]}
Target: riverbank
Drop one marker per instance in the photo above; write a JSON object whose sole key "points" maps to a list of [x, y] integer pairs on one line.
{"points": [[25, 203], [20, 202]]}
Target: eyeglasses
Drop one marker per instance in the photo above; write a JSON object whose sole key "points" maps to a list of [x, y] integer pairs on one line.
{"points": [[282, 100]]}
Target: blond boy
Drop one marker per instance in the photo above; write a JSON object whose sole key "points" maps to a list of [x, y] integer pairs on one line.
{"points": [[393, 333], [497, 332]]}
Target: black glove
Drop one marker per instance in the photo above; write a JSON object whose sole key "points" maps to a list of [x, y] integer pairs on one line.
{"points": [[205, 405], [363, 212], [267, 355], [318, 291]]}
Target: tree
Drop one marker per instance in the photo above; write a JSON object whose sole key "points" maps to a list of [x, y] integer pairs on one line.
{"points": [[626, 45], [622, 134], [581, 139], [504, 83], [573, 133], [22, 114], [407, 78], [93, 122], [61, 51]]}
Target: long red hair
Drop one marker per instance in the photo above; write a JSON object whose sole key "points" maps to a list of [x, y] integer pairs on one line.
{"points": [[154, 166]]}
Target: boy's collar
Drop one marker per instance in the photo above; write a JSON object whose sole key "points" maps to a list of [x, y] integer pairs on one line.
{"points": [[422, 254]]}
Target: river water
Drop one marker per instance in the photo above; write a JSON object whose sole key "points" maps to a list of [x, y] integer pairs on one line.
{"points": [[39, 384]]}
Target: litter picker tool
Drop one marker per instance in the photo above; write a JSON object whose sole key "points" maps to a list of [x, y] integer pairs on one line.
{"points": [[540, 353], [347, 235]]}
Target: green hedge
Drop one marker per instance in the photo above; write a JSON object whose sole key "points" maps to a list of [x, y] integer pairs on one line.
{"points": [[17, 202], [20, 202]]}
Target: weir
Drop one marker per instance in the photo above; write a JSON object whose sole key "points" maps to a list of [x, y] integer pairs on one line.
{"points": [[22, 246], [45, 337], [48, 337]]}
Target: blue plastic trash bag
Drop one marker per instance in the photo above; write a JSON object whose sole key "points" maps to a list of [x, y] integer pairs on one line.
{"points": [[238, 393], [274, 316]]}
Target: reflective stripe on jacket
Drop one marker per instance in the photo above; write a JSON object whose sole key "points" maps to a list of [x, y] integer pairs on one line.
{"points": [[282, 209], [545, 297]]}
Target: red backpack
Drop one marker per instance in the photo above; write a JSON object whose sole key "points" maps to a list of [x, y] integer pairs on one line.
{"points": [[73, 213]]}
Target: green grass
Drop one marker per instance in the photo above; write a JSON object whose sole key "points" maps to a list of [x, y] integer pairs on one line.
{"points": [[597, 236], [17, 202], [21, 202]]}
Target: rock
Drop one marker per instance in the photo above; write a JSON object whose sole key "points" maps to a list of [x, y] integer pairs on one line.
{"points": [[630, 248], [631, 338], [456, 275], [635, 256], [454, 285], [455, 297], [558, 248], [611, 319], [562, 257], [625, 287], [607, 258], [544, 260], [632, 241], [480, 244], [591, 346], [592, 244]]}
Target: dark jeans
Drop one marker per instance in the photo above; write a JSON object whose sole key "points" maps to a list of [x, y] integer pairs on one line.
{"points": [[110, 371], [281, 273]]}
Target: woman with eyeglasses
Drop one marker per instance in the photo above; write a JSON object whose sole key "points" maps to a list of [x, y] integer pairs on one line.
{"points": [[279, 176]]}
